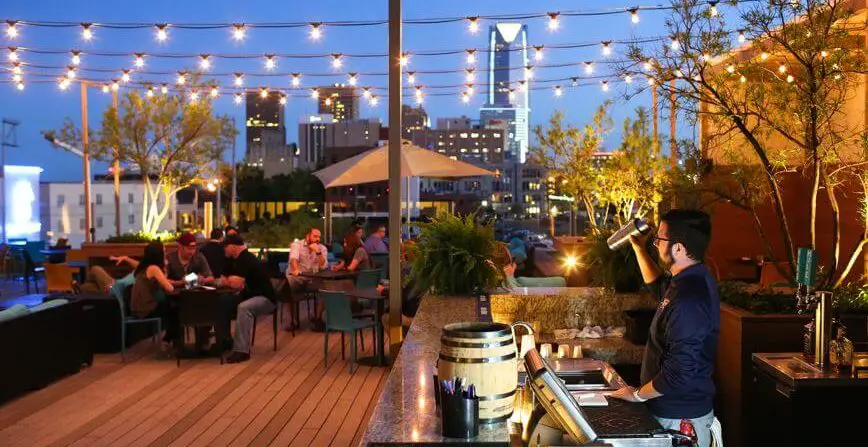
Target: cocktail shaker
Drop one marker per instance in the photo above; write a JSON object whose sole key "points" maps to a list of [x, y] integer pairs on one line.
{"points": [[621, 237]]}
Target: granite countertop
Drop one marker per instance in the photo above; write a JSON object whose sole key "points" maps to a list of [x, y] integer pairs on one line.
{"points": [[406, 412]]}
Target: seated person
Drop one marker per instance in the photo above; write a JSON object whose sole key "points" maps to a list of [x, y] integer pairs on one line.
{"points": [[187, 260], [375, 243], [307, 255], [355, 256], [526, 281], [149, 291], [59, 258], [214, 253], [249, 277], [99, 281]]}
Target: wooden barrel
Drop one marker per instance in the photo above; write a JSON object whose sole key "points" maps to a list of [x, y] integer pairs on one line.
{"points": [[484, 354]]}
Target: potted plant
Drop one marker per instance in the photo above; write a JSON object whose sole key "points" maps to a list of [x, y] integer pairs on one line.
{"points": [[617, 270], [457, 255]]}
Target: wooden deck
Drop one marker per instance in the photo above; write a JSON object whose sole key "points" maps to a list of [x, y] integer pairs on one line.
{"points": [[288, 397]]}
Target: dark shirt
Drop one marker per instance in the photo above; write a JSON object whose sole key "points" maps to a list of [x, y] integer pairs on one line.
{"points": [[216, 257], [682, 344], [176, 270], [256, 279]]}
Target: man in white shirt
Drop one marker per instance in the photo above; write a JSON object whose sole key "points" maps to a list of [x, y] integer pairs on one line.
{"points": [[307, 256]]}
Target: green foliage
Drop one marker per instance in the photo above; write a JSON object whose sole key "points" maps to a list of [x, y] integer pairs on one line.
{"points": [[457, 255], [762, 301], [852, 298], [273, 234], [618, 270], [300, 185], [143, 237]]}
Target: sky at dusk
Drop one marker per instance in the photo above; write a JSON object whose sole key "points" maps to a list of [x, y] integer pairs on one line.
{"points": [[43, 106]]}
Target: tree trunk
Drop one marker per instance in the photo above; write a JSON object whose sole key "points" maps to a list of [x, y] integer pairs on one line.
{"points": [[836, 230], [815, 190]]}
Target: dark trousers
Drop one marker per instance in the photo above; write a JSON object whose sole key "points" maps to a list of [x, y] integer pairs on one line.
{"points": [[228, 308], [169, 315]]}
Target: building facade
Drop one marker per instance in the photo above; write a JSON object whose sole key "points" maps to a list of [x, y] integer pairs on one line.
{"points": [[62, 206], [266, 135], [340, 101], [316, 133]]}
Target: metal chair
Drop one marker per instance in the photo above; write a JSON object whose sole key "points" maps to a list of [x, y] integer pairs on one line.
{"points": [[126, 320], [58, 278], [31, 270], [367, 279], [339, 318], [381, 261]]}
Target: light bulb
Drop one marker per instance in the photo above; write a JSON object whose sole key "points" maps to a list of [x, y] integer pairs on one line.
{"points": [[471, 76], [182, 78], [164, 89], [589, 67], [239, 79], [511, 94], [11, 29], [125, 77], [558, 91], [16, 77], [282, 100], [675, 45], [314, 93], [140, 60], [328, 102], [16, 67], [404, 59], [70, 72], [366, 92], [76, 57], [528, 72], [634, 15], [86, 31], [628, 79], [575, 82], [238, 98], [204, 61], [607, 48], [471, 56], [650, 80], [647, 66], [473, 24], [706, 57], [538, 52], [115, 85], [741, 37], [554, 23], [150, 92], [469, 88], [730, 68], [215, 91], [354, 79], [315, 31], [713, 10], [782, 68], [336, 60], [522, 85], [465, 98], [605, 86], [162, 32], [194, 96], [790, 78], [419, 99], [238, 31], [824, 53], [270, 63], [263, 93], [296, 79], [764, 55], [19, 86], [374, 100], [742, 79], [105, 88], [677, 73], [63, 83], [411, 78], [13, 54]]}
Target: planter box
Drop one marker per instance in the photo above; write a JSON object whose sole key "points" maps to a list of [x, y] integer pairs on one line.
{"points": [[743, 333]]}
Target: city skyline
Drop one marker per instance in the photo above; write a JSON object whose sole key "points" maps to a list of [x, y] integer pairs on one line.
{"points": [[26, 106]]}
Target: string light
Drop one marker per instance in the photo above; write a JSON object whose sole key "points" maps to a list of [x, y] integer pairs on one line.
{"points": [[296, 79], [647, 66], [411, 77], [215, 91], [239, 79], [162, 32], [471, 75], [13, 54], [730, 68], [105, 88], [11, 29], [140, 60], [790, 78], [511, 94], [374, 100], [575, 82], [589, 67], [70, 72], [282, 99], [764, 55], [706, 57], [238, 98], [419, 94], [605, 86], [164, 89], [628, 79], [528, 72], [125, 77], [204, 61], [713, 9], [742, 79], [782, 68], [634, 15], [522, 86], [182, 78], [19, 85], [16, 68], [366, 92], [607, 47], [63, 83], [473, 24], [86, 31], [554, 23], [465, 98], [336, 60], [675, 44], [558, 91], [677, 73], [824, 53], [741, 37], [354, 79], [650, 80], [115, 85], [238, 31], [76, 57], [469, 87], [150, 92], [16, 77], [404, 59], [471, 56], [538, 52], [270, 62], [263, 92], [194, 96], [315, 31], [314, 93]]}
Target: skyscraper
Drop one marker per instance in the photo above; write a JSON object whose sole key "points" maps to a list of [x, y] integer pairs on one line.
{"points": [[340, 101], [507, 100], [266, 134]]}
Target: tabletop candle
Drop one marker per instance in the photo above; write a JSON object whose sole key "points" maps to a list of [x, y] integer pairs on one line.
{"points": [[545, 350], [563, 351], [577, 351]]}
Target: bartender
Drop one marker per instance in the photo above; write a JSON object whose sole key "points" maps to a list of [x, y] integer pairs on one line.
{"points": [[682, 343]]}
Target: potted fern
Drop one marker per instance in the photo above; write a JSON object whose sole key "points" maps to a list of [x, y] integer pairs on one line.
{"points": [[457, 255]]}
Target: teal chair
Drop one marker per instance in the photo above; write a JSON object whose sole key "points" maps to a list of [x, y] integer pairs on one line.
{"points": [[381, 262], [127, 319], [368, 279], [337, 249], [339, 318]]}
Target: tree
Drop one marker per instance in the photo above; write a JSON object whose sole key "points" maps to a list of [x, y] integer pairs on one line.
{"points": [[777, 103], [171, 140], [567, 152]]}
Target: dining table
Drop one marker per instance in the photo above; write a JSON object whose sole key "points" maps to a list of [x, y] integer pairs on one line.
{"points": [[82, 269], [201, 306], [379, 299], [329, 275]]}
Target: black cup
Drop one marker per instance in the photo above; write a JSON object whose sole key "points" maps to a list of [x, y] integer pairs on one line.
{"points": [[459, 416]]}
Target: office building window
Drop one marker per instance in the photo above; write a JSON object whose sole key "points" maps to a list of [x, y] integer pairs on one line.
{"points": [[131, 219], [99, 199], [61, 199], [81, 200], [81, 224], [99, 220], [131, 198]]}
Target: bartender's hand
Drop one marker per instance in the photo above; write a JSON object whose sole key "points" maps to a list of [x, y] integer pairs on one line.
{"points": [[641, 241], [627, 393]]}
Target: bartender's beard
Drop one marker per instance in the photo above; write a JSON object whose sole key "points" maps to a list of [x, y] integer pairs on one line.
{"points": [[666, 258]]}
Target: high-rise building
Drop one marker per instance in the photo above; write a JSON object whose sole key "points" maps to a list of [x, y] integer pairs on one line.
{"points": [[507, 99], [266, 134], [316, 133], [340, 101], [475, 145], [412, 119]]}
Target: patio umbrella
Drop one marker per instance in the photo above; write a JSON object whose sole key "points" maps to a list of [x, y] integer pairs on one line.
{"points": [[372, 166]]}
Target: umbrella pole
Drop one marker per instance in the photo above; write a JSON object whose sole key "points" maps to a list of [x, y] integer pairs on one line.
{"points": [[396, 334]]}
